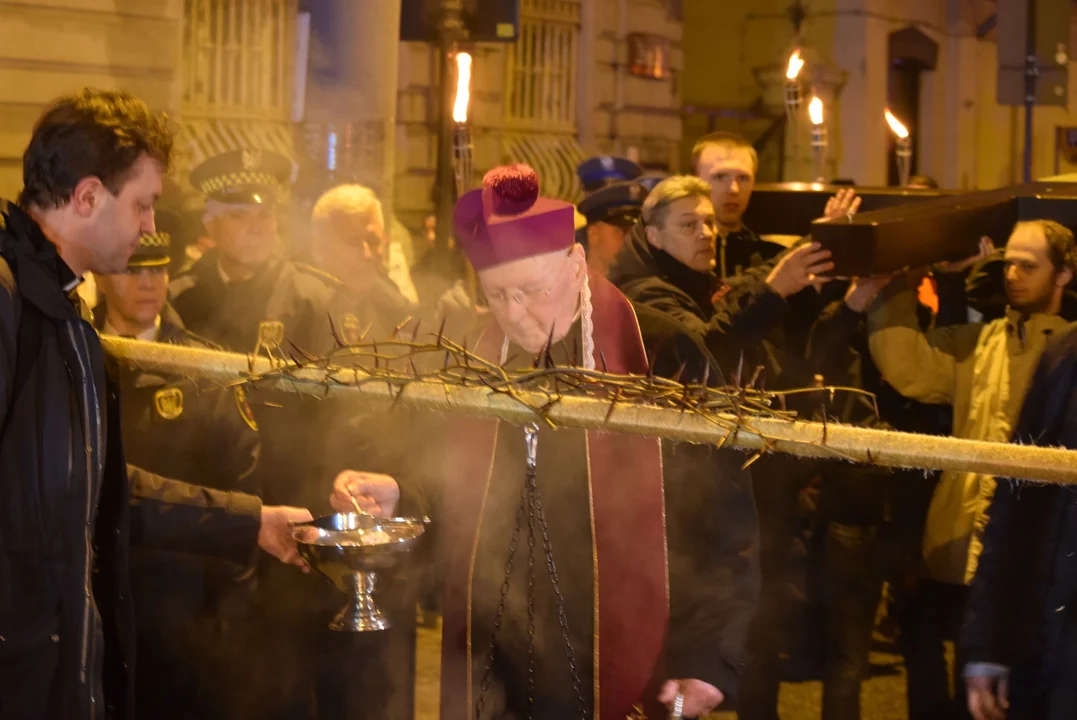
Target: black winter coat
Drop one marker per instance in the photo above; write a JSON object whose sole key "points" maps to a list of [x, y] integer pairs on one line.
{"points": [[691, 299], [69, 505], [1020, 612]]}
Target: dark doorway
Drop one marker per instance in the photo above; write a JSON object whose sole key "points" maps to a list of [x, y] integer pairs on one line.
{"points": [[911, 53]]}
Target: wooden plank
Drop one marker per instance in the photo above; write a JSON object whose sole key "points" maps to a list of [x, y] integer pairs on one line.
{"points": [[42, 35]]}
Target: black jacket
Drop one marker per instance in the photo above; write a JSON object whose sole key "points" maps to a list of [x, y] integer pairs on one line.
{"points": [[651, 277], [231, 314], [838, 351], [712, 528], [1020, 607], [66, 511]]}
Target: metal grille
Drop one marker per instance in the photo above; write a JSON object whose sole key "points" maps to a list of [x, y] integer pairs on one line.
{"points": [[542, 67], [237, 58]]}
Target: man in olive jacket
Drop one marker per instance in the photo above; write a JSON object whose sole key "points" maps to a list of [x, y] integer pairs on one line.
{"points": [[69, 506]]}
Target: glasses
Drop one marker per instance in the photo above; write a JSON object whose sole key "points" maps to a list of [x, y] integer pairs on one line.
{"points": [[527, 295]]}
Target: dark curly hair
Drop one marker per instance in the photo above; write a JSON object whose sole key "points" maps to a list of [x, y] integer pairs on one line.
{"points": [[93, 133]]}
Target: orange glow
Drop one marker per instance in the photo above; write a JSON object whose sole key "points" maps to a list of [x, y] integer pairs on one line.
{"points": [[900, 130], [463, 87], [795, 66], [815, 111]]}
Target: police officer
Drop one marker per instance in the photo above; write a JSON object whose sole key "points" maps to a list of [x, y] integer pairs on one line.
{"points": [[610, 211], [244, 294], [595, 174], [182, 602]]}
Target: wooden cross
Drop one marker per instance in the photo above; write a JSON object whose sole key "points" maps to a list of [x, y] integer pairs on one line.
{"points": [[898, 228]]}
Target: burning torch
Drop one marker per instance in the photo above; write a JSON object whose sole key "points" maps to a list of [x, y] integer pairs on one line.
{"points": [[902, 148], [819, 136], [792, 102], [462, 146]]}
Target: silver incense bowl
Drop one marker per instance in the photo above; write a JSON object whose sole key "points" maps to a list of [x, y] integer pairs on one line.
{"points": [[350, 549]]}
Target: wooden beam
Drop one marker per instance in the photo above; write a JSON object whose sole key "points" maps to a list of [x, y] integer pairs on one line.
{"points": [[812, 440]]}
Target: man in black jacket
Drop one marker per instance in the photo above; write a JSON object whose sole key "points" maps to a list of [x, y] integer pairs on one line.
{"points": [[1020, 638], [91, 174]]}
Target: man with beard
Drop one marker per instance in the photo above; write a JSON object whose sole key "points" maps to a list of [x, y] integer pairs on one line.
{"points": [[183, 603], [623, 603], [70, 507], [983, 371]]}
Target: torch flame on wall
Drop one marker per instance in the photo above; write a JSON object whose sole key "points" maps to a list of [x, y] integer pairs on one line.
{"points": [[463, 87], [815, 111], [900, 130], [795, 66]]}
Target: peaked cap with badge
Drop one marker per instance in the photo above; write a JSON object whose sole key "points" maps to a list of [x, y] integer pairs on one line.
{"points": [[620, 203], [244, 177]]}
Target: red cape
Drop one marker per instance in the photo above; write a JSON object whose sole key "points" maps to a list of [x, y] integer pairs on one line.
{"points": [[628, 535]]}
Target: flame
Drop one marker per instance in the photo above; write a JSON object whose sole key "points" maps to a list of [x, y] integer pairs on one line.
{"points": [[815, 111], [795, 65], [463, 87], [900, 130]]}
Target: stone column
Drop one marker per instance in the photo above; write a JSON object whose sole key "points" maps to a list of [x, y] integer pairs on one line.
{"points": [[352, 93]]}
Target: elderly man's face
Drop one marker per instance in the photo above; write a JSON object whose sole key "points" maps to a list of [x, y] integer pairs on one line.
{"points": [[529, 297], [246, 235], [687, 232], [730, 172], [360, 237]]}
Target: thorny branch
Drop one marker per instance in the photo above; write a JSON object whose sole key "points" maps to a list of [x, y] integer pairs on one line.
{"points": [[441, 375]]}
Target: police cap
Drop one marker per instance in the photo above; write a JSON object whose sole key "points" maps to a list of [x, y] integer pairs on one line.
{"points": [[597, 172], [153, 249], [243, 177], [618, 204]]}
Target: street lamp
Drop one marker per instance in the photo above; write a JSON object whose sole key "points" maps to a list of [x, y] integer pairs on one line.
{"points": [[902, 147]]}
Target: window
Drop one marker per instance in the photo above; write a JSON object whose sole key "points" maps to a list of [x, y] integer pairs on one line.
{"points": [[542, 66], [237, 58]]}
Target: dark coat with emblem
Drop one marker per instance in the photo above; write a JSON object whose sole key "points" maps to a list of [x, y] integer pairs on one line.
{"points": [[294, 656], [298, 297], [70, 507], [186, 605], [208, 437]]}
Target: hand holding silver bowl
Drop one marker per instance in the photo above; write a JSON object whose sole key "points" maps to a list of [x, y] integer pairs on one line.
{"points": [[350, 549]]}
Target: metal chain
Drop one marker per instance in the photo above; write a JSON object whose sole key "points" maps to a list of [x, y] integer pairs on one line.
{"points": [[532, 493], [531, 501], [562, 617], [489, 667]]}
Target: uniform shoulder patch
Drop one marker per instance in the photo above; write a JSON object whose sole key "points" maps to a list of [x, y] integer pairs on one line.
{"points": [[244, 406], [168, 402]]}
